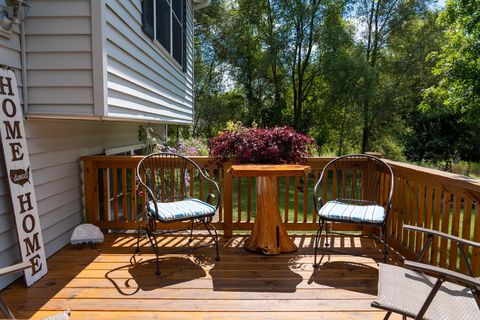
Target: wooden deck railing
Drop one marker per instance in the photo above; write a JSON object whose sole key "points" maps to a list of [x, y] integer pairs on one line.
{"points": [[422, 197], [437, 200]]}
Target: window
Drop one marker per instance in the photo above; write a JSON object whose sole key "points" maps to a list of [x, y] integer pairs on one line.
{"points": [[165, 21]]}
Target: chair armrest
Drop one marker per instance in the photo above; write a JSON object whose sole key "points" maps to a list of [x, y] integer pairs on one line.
{"points": [[444, 273], [318, 200], [442, 234], [16, 267], [212, 196]]}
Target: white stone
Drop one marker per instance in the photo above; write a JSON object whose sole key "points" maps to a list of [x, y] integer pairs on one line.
{"points": [[86, 233]]}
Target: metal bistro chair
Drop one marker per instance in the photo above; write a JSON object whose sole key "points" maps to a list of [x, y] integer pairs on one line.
{"points": [[167, 178], [364, 190], [411, 293]]}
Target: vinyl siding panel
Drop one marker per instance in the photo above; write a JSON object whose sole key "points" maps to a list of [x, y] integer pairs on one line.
{"points": [[50, 95], [55, 148], [10, 55], [60, 78], [59, 58], [45, 43], [143, 80]]}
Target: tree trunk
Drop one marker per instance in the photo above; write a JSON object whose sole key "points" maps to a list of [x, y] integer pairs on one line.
{"points": [[342, 132], [366, 128]]}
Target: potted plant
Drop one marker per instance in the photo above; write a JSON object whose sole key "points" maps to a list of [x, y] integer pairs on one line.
{"points": [[279, 145], [263, 154]]}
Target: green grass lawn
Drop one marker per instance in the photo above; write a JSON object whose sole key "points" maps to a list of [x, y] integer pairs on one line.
{"points": [[245, 206]]}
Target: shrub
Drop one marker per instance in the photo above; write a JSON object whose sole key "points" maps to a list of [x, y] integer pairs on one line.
{"points": [[279, 145], [188, 147]]}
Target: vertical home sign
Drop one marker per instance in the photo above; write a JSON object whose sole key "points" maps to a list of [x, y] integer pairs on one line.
{"points": [[19, 174]]}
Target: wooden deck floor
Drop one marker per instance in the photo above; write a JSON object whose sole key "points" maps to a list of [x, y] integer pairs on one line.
{"points": [[102, 283]]}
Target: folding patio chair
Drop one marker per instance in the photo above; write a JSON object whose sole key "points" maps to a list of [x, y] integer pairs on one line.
{"points": [[168, 179], [410, 292], [362, 189]]}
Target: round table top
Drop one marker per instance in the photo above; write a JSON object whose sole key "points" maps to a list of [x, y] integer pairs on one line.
{"points": [[263, 170]]}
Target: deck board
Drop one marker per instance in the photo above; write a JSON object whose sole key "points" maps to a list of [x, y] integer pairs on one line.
{"points": [[105, 282]]}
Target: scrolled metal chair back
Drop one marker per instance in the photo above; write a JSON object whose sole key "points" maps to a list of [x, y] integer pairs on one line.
{"points": [[359, 178], [167, 176]]}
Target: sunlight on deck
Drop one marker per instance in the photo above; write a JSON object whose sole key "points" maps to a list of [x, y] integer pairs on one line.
{"points": [[109, 283]]}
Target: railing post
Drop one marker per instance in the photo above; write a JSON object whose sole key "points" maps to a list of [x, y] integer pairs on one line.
{"points": [[369, 230], [90, 190], [227, 200]]}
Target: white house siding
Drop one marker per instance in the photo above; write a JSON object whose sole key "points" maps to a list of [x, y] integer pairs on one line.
{"points": [[55, 148], [143, 81], [9, 57], [59, 57]]}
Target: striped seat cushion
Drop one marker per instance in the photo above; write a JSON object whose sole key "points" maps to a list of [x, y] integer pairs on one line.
{"points": [[337, 210], [180, 210]]}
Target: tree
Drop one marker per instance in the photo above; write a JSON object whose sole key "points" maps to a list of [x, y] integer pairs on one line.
{"points": [[215, 103], [350, 73], [458, 66], [332, 117], [303, 18], [381, 19]]}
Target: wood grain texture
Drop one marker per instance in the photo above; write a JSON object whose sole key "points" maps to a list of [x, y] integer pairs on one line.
{"points": [[269, 235], [105, 283], [278, 170]]}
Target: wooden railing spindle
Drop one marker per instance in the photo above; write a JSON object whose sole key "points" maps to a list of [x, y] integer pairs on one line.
{"points": [[115, 193], [445, 228], [455, 230], [466, 226], [437, 206], [287, 197]]}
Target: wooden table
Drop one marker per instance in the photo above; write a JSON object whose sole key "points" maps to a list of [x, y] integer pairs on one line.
{"points": [[269, 235]]}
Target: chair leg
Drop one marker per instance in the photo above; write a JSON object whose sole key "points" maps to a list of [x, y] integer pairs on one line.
{"points": [[317, 242], [137, 250], [385, 240], [214, 235], [191, 232], [327, 243], [476, 295], [157, 272], [387, 316], [154, 244]]}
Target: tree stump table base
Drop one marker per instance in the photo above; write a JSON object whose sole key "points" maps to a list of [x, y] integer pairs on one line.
{"points": [[269, 235]]}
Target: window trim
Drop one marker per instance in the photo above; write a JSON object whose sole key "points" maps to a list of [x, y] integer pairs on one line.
{"points": [[183, 24]]}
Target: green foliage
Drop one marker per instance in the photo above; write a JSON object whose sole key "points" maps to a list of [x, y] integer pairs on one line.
{"points": [[352, 74], [454, 102], [459, 59], [150, 140], [188, 147], [255, 145]]}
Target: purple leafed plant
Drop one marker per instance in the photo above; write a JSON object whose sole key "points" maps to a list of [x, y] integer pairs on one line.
{"points": [[279, 145]]}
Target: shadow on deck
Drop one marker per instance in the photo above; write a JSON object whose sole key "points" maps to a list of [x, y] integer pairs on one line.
{"points": [[109, 283]]}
